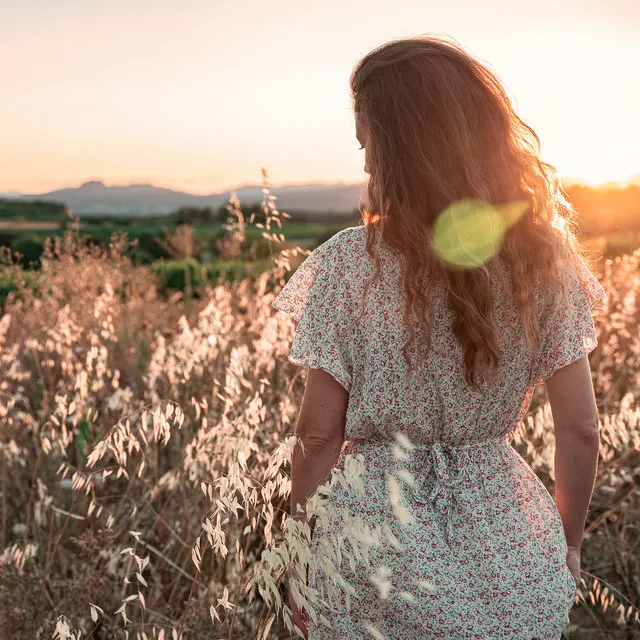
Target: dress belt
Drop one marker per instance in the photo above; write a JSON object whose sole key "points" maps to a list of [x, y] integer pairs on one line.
{"points": [[436, 484]]}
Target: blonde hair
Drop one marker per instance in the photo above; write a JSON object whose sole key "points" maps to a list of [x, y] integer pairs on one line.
{"points": [[440, 129]]}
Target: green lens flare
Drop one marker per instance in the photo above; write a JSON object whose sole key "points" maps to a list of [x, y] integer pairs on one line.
{"points": [[469, 232], [513, 211]]}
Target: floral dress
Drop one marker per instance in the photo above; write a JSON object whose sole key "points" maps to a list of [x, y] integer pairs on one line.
{"points": [[486, 533]]}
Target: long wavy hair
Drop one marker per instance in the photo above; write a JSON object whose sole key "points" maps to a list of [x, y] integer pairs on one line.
{"points": [[441, 129]]}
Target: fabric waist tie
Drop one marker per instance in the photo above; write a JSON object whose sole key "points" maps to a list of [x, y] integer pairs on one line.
{"points": [[442, 474]]}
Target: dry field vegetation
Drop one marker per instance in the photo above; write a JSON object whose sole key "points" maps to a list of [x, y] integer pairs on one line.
{"points": [[145, 452]]}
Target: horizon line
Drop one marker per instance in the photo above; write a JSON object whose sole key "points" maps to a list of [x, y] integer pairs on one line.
{"points": [[162, 184]]}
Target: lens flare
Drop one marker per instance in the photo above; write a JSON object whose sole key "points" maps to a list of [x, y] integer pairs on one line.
{"points": [[513, 211], [469, 232]]}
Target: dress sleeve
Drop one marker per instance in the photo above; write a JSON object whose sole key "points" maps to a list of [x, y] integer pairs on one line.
{"points": [[317, 296], [567, 330]]}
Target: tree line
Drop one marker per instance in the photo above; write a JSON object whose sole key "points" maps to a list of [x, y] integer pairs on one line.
{"points": [[601, 211]]}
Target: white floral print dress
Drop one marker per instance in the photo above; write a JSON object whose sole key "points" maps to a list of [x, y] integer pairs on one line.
{"points": [[486, 532]]}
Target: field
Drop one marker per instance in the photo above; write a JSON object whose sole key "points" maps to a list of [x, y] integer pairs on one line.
{"points": [[146, 440], [178, 254], [189, 257]]}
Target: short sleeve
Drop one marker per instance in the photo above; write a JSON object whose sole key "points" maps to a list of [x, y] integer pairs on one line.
{"points": [[567, 329], [317, 296]]}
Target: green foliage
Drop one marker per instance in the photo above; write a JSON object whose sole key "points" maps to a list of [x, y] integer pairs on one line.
{"points": [[31, 246], [197, 215], [8, 283], [84, 438], [174, 274], [148, 249], [32, 209], [259, 249]]}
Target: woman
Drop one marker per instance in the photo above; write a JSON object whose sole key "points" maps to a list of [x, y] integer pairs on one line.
{"points": [[436, 319]]}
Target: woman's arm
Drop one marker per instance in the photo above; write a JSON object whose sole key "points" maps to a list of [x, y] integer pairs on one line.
{"points": [[320, 427], [575, 418]]}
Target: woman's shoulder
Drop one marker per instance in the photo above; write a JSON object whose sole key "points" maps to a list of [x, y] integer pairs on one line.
{"points": [[343, 249], [350, 238]]}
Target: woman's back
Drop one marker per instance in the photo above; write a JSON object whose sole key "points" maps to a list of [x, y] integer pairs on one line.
{"points": [[435, 401], [483, 531]]}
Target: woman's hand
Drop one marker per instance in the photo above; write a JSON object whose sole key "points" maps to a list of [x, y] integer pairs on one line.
{"points": [[300, 616], [573, 562]]}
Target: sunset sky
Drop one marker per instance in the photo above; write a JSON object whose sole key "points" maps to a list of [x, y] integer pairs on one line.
{"points": [[199, 94]]}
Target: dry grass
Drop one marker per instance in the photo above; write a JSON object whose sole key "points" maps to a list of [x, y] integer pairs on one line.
{"points": [[145, 447]]}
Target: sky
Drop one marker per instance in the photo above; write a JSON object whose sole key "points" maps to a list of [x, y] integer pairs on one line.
{"points": [[198, 95]]}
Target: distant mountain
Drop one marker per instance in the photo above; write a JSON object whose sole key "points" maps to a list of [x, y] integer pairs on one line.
{"points": [[95, 197]]}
